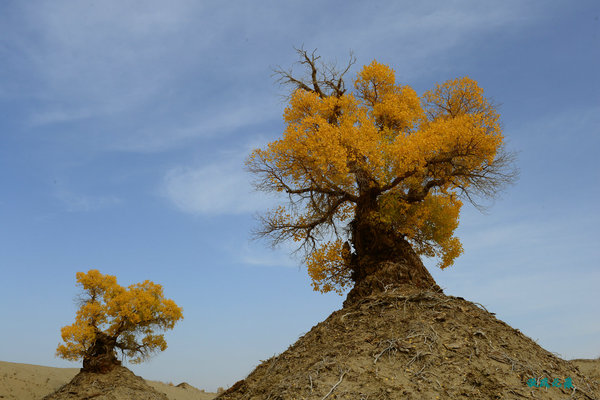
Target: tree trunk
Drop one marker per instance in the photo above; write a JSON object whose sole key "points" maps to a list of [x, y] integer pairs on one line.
{"points": [[382, 258], [101, 357]]}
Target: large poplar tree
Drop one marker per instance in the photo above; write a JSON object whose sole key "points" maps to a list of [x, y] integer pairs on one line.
{"points": [[376, 175]]}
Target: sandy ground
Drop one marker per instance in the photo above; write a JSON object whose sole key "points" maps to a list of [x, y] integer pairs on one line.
{"points": [[590, 368], [32, 382]]}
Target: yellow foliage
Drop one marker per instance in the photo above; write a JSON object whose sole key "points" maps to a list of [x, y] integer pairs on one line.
{"points": [[128, 315], [327, 268], [417, 153]]}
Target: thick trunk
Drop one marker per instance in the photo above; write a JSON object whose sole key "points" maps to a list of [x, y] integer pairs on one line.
{"points": [[101, 357], [382, 258], [382, 275]]}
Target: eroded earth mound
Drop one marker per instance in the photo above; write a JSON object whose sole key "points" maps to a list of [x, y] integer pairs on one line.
{"points": [[118, 384], [410, 343]]}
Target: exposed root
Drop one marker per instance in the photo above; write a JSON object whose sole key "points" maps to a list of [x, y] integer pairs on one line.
{"points": [[334, 386], [392, 347]]}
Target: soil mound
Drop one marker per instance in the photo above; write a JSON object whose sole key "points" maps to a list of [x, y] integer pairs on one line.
{"points": [[589, 368], [118, 384], [411, 343]]}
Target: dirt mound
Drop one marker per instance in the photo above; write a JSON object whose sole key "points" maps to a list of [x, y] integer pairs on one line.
{"points": [[589, 368], [118, 384], [409, 343]]}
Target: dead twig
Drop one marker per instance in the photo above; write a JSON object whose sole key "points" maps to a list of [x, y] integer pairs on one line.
{"points": [[429, 338], [345, 315], [334, 386], [392, 347], [417, 356], [575, 388], [272, 363], [482, 306]]}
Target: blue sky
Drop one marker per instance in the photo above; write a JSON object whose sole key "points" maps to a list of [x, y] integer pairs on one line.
{"points": [[124, 126]]}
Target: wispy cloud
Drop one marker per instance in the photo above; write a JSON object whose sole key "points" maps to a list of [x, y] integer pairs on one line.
{"points": [[533, 270], [415, 37], [571, 123], [83, 203], [220, 188], [94, 56], [267, 257], [133, 73], [208, 124], [116, 59]]}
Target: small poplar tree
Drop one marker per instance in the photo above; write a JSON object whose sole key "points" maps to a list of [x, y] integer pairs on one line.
{"points": [[112, 317]]}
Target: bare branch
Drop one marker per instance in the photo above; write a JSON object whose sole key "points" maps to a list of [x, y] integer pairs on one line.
{"points": [[484, 182], [320, 76], [311, 229], [491, 179]]}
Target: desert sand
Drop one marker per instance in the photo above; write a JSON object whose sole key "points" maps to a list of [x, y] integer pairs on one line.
{"points": [[32, 382]]}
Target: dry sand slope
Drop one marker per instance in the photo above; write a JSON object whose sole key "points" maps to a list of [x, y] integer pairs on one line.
{"points": [[32, 382]]}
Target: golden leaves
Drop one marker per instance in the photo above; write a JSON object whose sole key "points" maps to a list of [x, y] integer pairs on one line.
{"points": [[420, 152], [374, 81], [434, 236], [121, 313], [327, 268]]}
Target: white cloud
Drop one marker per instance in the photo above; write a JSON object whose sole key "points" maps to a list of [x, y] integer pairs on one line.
{"points": [[220, 188]]}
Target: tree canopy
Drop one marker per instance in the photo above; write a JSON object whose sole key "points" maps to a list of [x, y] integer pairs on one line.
{"points": [[367, 169], [112, 317]]}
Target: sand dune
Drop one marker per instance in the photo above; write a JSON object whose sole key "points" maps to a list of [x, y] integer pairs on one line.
{"points": [[32, 382]]}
